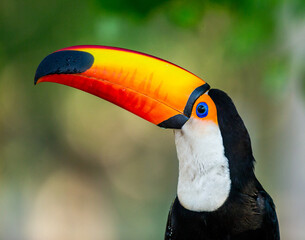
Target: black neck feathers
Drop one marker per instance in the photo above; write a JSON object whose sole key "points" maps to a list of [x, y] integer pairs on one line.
{"points": [[236, 140]]}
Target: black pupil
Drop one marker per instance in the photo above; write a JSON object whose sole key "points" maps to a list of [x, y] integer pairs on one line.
{"points": [[201, 109]]}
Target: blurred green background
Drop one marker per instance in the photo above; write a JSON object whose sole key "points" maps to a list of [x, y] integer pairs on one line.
{"points": [[75, 167]]}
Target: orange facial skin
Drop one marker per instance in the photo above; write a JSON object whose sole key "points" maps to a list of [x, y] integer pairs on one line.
{"points": [[212, 114]]}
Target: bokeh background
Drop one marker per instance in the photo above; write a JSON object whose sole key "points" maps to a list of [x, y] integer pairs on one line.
{"points": [[75, 167]]}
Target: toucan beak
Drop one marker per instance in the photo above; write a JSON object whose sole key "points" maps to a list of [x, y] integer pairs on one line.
{"points": [[152, 88]]}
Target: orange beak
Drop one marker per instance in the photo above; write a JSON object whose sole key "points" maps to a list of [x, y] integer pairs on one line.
{"points": [[152, 88]]}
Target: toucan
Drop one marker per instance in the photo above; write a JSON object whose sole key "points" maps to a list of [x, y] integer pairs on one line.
{"points": [[218, 194]]}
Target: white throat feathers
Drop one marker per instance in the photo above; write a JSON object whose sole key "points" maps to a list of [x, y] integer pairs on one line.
{"points": [[204, 177]]}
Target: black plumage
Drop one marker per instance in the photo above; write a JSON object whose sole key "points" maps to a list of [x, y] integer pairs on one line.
{"points": [[249, 212]]}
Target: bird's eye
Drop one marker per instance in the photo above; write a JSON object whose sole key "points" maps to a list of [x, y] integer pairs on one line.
{"points": [[202, 110]]}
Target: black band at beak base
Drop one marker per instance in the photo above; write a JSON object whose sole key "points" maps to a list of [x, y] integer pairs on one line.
{"points": [[175, 122], [194, 96]]}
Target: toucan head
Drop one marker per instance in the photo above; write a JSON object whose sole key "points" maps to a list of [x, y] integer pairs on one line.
{"points": [[206, 123]]}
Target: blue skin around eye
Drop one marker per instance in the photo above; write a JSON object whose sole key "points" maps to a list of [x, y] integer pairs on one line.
{"points": [[205, 113]]}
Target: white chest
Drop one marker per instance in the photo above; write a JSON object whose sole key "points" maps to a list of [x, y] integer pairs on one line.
{"points": [[204, 177]]}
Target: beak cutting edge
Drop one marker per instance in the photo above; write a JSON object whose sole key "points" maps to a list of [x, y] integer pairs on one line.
{"points": [[154, 89]]}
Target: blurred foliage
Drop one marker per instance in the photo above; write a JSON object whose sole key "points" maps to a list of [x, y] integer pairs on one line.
{"points": [[135, 8], [190, 12], [68, 159]]}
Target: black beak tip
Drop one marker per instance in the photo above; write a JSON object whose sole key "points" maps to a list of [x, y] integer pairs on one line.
{"points": [[64, 62]]}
